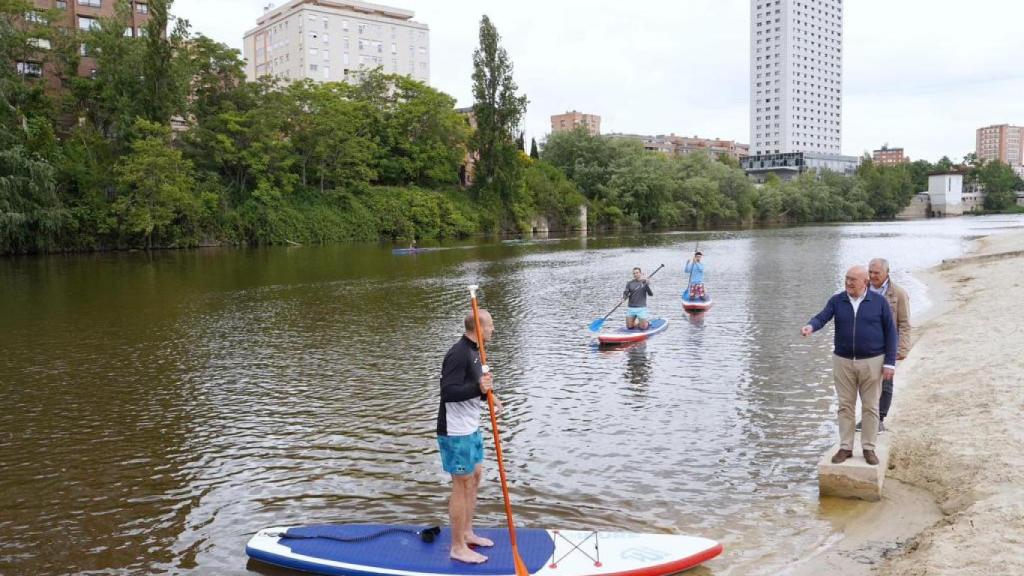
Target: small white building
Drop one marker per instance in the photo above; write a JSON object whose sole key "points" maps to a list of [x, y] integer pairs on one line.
{"points": [[946, 194]]}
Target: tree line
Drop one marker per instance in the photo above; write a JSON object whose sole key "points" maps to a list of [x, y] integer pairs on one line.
{"points": [[92, 162], [95, 164]]}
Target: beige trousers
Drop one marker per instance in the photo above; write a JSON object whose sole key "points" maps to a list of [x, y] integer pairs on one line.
{"points": [[853, 377]]}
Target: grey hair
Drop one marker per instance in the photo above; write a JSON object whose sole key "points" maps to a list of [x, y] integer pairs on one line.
{"points": [[882, 261]]}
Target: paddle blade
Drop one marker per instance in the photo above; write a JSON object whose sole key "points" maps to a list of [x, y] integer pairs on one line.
{"points": [[520, 565], [596, 324]]}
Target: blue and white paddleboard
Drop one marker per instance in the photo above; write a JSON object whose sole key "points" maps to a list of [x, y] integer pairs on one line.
{"points": [[386, 550], [623, 335]]}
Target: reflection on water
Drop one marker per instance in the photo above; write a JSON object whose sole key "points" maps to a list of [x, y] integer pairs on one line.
{"points": [[160, 408]]}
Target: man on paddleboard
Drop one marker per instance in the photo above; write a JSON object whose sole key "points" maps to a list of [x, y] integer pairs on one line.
{"points": [[464, 389], [637, 290], [695, 269]]}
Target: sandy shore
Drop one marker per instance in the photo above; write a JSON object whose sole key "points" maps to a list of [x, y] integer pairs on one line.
{"points": [[957, 433]]}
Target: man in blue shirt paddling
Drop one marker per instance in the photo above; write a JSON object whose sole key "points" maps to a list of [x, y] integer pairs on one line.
{"points": [[865, 353]]}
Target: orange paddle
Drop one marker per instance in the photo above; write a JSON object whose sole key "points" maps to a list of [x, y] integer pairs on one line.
{"points": [[520, 565]]}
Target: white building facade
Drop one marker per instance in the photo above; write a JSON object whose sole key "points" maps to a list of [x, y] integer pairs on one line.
{"points": [[796, 76], [333, 40]]}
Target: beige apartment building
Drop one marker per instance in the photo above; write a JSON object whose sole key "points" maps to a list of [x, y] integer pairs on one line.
{"points": [[334, 40], [573, 119], [1001, 142], [886, 156], [81, 14], [683, 145]]}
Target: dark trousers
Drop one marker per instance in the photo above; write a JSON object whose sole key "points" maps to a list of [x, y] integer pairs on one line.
{"points": [[885, 399]]}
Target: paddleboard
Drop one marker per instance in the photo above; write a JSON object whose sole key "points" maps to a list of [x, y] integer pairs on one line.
{"points": [[696, 305], [388, 550], [623, 335], [404, 251]]}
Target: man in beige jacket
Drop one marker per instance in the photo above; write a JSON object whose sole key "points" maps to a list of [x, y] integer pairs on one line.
{"points": [[899, 302]]}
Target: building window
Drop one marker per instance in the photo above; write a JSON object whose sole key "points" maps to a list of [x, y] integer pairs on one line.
{"points": [[93, 3], [30, 69], [62, 4], [39, 43], [85, 23], [142, 8]]}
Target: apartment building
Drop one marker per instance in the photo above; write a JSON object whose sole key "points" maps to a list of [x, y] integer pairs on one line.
{"points": [[335, 40], [83, 15], [886, 156], [573, 119], [796, 77], [1001, 142], [683, 145]]}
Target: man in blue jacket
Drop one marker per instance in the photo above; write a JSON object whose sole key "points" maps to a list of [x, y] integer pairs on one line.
{"points": [[865, 354]]}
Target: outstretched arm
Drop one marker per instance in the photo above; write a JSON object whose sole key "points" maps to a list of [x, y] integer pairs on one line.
{"points": [[820, 319]]}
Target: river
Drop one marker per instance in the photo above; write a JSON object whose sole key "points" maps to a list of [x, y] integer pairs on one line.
{"points": [[159, 408]]}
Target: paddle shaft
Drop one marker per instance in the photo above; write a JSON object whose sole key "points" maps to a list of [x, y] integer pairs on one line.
{"points": [[621, 302], [520, 566]]}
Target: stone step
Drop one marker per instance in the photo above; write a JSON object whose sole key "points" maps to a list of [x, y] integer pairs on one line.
{"points": [[854, 478]]}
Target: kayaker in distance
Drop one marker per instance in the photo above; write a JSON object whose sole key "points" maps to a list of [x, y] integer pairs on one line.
{"points": [[636, 292], [695, 269]]}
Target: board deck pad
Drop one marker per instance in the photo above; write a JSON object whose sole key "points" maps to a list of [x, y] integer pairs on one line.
{"points": [[544, 552], [408, 552], [624, 335]]}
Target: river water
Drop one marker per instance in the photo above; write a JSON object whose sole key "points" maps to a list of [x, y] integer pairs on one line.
{"points": [[160, 408]]}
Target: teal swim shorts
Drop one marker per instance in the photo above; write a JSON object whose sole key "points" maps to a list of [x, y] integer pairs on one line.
{"points": [[461, 454], [640, 313]]}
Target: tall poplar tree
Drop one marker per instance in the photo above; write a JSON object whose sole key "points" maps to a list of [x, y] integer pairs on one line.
{"points": [[499, 111]]}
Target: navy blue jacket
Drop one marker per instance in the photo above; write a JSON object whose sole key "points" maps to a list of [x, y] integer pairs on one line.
{"points": [[871, 333]]}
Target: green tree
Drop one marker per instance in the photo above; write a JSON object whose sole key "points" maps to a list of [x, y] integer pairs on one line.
{"points": [[553, 195], [533, 149], [419, 137], [998, 180], [156, 204], [216, 74], [889, 189], [919, 170], [332, 148], [944, 164], [498, 111], [32, 216]]}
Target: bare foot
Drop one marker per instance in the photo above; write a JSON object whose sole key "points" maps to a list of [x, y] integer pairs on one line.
{"points": [[474, 540], [468, 556]]}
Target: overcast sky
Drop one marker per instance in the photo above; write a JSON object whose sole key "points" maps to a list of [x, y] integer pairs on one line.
{"points": [[921, 74]]}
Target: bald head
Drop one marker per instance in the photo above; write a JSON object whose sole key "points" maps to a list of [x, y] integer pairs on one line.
{"points": [[486, 325], [856, 281]]}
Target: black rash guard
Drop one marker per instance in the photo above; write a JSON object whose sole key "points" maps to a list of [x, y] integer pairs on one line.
{"points": [[461, 400]]}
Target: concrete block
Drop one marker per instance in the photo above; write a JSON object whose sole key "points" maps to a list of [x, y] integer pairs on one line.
{"points": [[854, 478]]}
